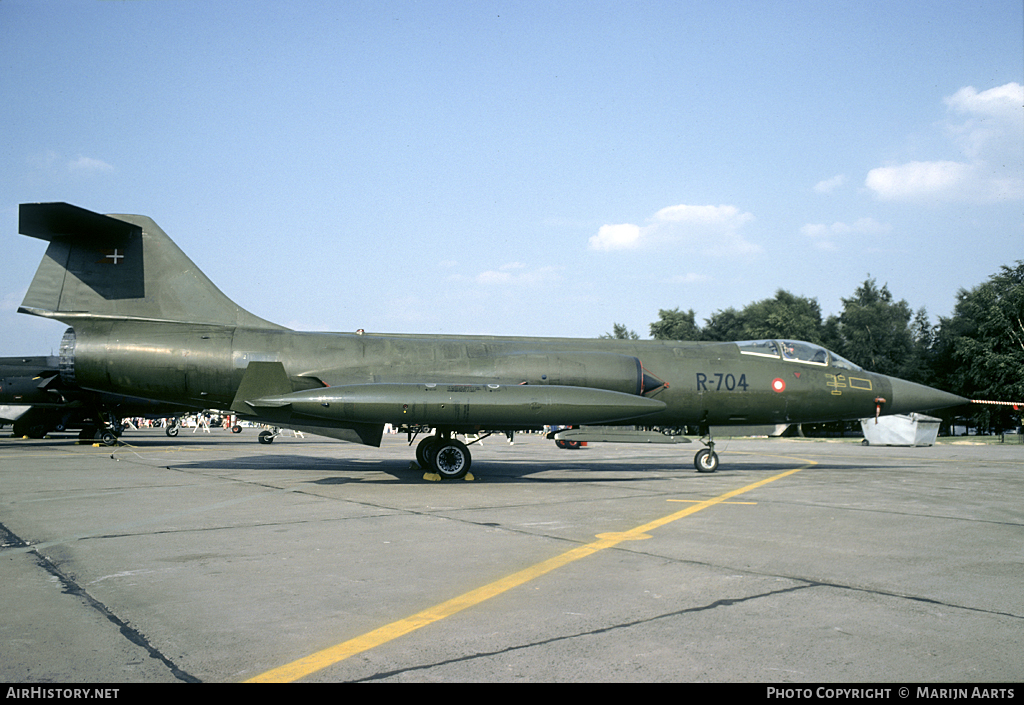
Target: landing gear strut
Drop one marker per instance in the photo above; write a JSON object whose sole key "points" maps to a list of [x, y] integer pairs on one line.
{"points": [[706, 459], [106, 430]]}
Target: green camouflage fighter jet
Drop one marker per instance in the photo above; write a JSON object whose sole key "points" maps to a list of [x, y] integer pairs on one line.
{"points": [[146, 322]]}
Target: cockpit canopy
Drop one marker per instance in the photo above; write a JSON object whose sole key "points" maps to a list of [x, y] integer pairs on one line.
{"points": [[796, 351]]}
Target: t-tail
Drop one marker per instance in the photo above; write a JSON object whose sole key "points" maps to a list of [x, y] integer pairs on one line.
{"points": [[119, 267]]}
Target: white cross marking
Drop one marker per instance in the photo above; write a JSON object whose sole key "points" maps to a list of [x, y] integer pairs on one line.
{"points": [[115, 256]]}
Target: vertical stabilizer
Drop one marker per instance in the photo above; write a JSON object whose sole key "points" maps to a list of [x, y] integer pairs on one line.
{"points": [[119, 267]]}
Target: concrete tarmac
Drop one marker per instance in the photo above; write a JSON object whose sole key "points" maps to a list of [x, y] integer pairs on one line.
{"points": [[212, 558]]}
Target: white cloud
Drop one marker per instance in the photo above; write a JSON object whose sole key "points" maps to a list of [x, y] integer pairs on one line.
{"points": [[830, 185], [711, 229], [918, 179], [728, 216], [516, 274], [689, 278], [1003, 101], [53, 164], [616, 237], [830, 237], [991, 142], [88, 164]]}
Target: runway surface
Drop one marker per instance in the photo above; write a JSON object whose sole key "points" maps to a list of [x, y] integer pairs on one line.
{"points": [[212, 558]]}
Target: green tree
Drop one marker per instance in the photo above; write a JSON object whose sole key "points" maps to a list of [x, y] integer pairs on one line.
{"points": [[923, 334], [979, 350], [874, 331], [728, 324], [620, 332], [783, 316], [675, 325]]}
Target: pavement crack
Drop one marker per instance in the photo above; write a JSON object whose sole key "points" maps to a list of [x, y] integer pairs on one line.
{"points": [[804, 584], [725, 602], [71, 587], [900, 596]]}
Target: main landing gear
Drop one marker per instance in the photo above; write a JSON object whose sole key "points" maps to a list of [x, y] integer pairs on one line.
{"points": [[107, 430], [445, 455]]}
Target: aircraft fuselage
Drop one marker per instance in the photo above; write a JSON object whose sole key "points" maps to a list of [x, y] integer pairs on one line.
{"points": [[698, 383]]}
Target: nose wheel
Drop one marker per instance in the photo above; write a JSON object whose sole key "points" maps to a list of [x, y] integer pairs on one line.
{"points": [[706, 459]]}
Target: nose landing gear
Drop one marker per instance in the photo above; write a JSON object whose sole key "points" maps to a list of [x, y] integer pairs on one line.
{"points": [[706, 459]]}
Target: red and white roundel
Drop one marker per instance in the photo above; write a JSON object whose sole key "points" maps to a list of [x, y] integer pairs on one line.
{"points": [[778, 385]]}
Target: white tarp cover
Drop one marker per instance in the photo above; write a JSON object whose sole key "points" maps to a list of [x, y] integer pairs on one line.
{"points": [[900, 430]]}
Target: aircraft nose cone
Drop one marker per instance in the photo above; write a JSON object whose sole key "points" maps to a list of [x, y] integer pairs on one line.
{"points": [[908, 397]]}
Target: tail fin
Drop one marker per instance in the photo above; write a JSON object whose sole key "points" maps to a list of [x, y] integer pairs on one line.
{"points": [[118, 267]]}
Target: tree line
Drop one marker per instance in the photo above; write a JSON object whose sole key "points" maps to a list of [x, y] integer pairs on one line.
{"points": [[977, 352]]}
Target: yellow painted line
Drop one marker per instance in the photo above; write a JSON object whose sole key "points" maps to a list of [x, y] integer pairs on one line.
{"points": [[697, 500], [327, 657]]}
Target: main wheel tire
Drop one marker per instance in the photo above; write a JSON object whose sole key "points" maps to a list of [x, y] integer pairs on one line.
{"points": [[266, 437], [706, 460], [30, 430], [452, 459], [425, 452]]}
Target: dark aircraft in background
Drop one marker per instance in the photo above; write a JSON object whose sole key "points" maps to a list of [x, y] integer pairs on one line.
{"points": [[35, 400], [146, 322], [27, 400]]}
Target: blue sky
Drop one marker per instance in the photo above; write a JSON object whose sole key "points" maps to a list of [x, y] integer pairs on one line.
{"points": [[523, 168]]}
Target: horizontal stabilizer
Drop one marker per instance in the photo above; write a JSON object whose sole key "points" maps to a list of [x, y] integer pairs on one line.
{"points": [[50, 221]]}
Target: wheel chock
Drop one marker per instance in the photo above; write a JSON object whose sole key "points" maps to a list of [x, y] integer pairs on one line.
{"points": [[431, 477]]}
